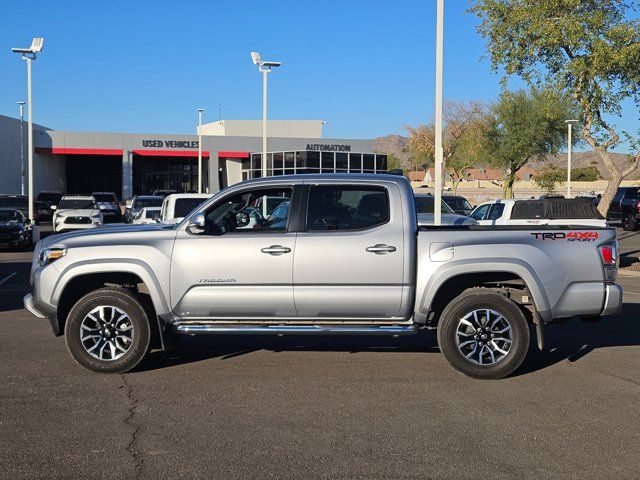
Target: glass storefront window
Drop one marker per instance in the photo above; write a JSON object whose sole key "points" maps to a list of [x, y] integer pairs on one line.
{"points": [[368, 163], [342, 162], [328, 162], [355, 162], [256, 163], [167, 173], [381, 163], [289, 163], [313, 162], [278, 162]]}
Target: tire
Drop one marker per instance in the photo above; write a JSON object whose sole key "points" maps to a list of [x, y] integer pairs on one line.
{"points": [[100, 316], [474, 359], [629, 223]]}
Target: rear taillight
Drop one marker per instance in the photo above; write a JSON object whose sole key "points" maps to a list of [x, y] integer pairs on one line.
{"points": [[638, 207], [609, 254]]}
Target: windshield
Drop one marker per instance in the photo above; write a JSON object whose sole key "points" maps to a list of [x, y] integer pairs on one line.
{"points": [[458, 203], [76, 204], [105, 198], [8, 215], [425, 205], [49, 197], [140, 203], [155, 214], [13, 202], [186, 205]]}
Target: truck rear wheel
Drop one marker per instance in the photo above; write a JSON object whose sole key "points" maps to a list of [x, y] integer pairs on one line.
{"points": [[629, 223], [483, 334], [107, 331]]}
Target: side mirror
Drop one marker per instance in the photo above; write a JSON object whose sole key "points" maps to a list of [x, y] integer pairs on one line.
{"points": [[196, 223], [54, 207]]}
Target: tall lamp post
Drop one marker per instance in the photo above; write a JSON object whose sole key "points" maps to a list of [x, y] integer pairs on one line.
{"points": [[29, 54], [569, 145], [21, 105], [264, 66], [437, 200], [200, 110]]}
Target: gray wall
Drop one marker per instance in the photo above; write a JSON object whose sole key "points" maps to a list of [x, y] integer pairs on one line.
{"points": [[48, 174]]}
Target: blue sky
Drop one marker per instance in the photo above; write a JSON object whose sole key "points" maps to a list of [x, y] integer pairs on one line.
{"points": [[366, 67]]}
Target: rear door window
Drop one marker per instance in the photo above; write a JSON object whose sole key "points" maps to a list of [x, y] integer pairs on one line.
{"points": [[347, 207], [496, 211]]}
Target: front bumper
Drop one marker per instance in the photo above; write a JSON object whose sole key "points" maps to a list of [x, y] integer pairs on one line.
{"points": [[62, 227], [29, 305], [612, 299]]}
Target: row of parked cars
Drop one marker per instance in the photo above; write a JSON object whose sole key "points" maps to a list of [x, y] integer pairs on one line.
{"points": [[547, 210]]}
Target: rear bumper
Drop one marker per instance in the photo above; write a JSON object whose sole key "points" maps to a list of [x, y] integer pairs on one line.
{"points": [[612, 299]]}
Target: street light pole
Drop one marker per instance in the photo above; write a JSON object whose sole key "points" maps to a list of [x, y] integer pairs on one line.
{"points": [[29, 54], [264, 71], [200, 110], [569, 145], [264, 66], [21, 104], [437, 201], [30, 137]]}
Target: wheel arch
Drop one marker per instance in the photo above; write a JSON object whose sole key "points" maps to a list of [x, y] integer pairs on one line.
{"points": [[79, 279], [475, 274]]}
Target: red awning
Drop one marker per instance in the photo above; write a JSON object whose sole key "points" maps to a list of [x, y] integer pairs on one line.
{"points": [[79, 151], [169, 153], [233, 154]]}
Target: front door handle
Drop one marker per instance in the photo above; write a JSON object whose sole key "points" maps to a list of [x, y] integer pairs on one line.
{"points": [[381, 249], [275, 250]]}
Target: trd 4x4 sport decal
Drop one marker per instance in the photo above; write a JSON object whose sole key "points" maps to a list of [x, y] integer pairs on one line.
{"points": [[569, 237]]}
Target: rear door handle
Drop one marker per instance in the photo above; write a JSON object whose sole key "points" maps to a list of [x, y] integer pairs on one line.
{"points": [[275, 250], [381, 249]]}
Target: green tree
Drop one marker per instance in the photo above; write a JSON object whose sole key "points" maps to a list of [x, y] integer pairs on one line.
{"points": [[585, 174], [588, 49], [522, 126], [549, 176]]}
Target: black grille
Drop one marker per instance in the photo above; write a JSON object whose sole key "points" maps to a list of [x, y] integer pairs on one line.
{"points": [[77, 220]]}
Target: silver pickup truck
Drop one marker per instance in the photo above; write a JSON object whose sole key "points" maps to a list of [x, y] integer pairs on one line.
{"points": [[339, 254]]}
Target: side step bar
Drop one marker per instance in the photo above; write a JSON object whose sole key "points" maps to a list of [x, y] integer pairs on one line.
{"points": [[193, 329]]}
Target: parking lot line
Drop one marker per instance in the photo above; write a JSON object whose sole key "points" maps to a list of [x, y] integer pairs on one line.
{"points": [[631, 293], [11, 275]]}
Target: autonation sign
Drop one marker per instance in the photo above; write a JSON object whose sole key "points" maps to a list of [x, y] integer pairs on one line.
{"points": [[323, 147], [169, 144]]}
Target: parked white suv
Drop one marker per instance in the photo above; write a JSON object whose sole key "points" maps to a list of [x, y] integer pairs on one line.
{"points": [[547, 211], [76, 212], [178, 205]]}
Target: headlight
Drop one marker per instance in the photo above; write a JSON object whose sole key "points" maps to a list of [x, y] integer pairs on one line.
{"points": [[51, 254], [97, 216]]}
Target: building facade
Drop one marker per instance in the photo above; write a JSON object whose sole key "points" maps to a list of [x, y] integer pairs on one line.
{"points": [[135, 164]]}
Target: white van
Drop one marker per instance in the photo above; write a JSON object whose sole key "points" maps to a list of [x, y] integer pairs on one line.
{"points": [[178, 205]]}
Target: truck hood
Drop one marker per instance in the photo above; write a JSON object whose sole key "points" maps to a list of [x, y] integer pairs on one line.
{"points": [[425, 219], [104, 234]]}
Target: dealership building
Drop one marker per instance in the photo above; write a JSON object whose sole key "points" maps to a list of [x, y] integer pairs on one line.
{"points": [[137, 164]]}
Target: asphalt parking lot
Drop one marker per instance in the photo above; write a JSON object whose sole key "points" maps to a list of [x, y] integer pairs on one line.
{"points": [[305, 407]]}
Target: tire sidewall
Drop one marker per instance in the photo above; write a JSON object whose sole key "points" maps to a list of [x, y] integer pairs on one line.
{"points": [[123, 300], [465, 304]]}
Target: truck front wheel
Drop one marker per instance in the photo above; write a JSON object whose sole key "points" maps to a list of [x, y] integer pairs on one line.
{"points": [[483, 334], [107, 330]]}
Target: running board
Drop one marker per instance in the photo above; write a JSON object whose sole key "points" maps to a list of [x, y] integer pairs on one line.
{"points": [[193, 329]]}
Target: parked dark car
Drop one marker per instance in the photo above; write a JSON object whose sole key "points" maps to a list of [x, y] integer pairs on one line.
{"points": [[15, 229], [458, 204], [109, 206], [46, 203], [18, 202], [138, 203], [625, 208]]}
